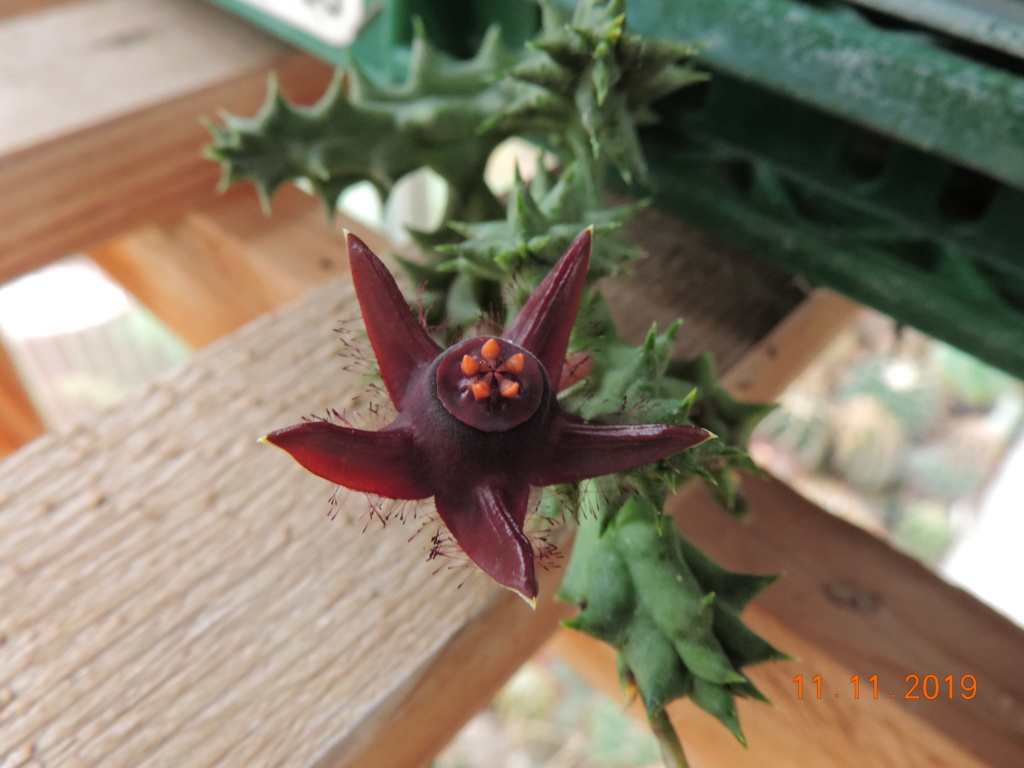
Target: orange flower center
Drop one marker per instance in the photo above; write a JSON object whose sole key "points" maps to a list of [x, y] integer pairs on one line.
{"points": [[491, 383], [491, 375]]}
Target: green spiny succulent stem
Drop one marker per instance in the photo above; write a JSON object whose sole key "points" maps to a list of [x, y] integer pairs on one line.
{"points": [[581, 89], [670, 611], [361, 130], [668, 740]]}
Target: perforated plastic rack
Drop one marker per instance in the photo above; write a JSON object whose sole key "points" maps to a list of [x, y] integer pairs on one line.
{"points": [[872, 146], [876, 148]]}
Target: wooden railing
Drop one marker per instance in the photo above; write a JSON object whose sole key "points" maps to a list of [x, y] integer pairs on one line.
{"points": [[172, 593]]}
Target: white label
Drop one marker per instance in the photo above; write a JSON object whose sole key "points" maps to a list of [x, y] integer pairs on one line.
{"points": [[332, 21]]}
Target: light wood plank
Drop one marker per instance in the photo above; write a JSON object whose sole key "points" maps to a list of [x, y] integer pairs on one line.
{"points": [[15, 7], [19, 421], [174, 584], [429, 710], [776, 361], [211, 272], [198, 281], [127, 149], [116, 57], [201, 280], [174, 595]]}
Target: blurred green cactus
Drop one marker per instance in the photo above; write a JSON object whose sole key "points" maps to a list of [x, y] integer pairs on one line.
{"points": [[902, 387], [868, 442], [799, 426]]}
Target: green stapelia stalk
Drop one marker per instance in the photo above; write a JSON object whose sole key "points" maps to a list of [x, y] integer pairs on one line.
{"points": [[580, 89]]}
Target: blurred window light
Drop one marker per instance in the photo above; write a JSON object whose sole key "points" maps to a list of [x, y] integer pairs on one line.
{"points": [[79, 341]]}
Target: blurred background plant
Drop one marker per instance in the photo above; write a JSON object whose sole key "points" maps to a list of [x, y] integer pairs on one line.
{"points": [[548, 717], [895, 432]]}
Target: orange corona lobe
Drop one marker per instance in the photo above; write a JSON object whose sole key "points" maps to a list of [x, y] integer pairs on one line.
{"points": [[508, 388], [516, 363], [469, 365], [490, 350], [481, 389]]}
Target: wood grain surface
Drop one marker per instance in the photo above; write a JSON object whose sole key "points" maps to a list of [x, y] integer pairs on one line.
{"points": [[174, 593], [19, 421], [107, 135]]}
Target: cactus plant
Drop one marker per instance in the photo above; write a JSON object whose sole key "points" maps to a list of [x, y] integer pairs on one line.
{"points": [[902, 387], [869, 443], [581, 88]]}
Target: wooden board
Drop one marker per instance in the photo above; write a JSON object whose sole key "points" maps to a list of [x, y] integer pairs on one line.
{"points": [[770, 366], [15, 7], [205, 281], [214, 270], [174, 593], [124, 144], [19, 421], [207, 586]]}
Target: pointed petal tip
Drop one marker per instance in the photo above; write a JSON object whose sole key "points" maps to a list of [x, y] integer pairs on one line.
{"points": [[353, 242], [694, 435], [530, 601], [525, 586], [270, 439], [357, 248], [384, 462], [527, 589], [583, 241], [486, 523], [544, 323]]}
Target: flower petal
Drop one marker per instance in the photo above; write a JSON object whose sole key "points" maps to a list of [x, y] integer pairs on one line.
{"points": [[580, 450], [401, 344], [544, 323], [487, 523], [385, 462]]}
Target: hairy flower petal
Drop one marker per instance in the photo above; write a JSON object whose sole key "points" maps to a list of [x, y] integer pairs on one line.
{"points": [[487, 523], [478, 423], [402, 345], [580, 450], [384, 462], [544, 323]]}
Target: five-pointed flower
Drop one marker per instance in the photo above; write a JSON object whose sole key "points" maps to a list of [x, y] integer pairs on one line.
{"points": [[478, 423]]}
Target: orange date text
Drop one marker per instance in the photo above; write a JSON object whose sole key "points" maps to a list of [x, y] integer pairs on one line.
{"points": [[929, 687]]}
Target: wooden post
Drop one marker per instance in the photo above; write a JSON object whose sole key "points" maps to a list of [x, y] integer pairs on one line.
{"points": [[113, 157], [175, 594], [19, 421]]}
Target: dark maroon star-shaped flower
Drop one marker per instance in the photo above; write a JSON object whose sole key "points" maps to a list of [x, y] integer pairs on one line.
{"points": [[478, 423]]}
